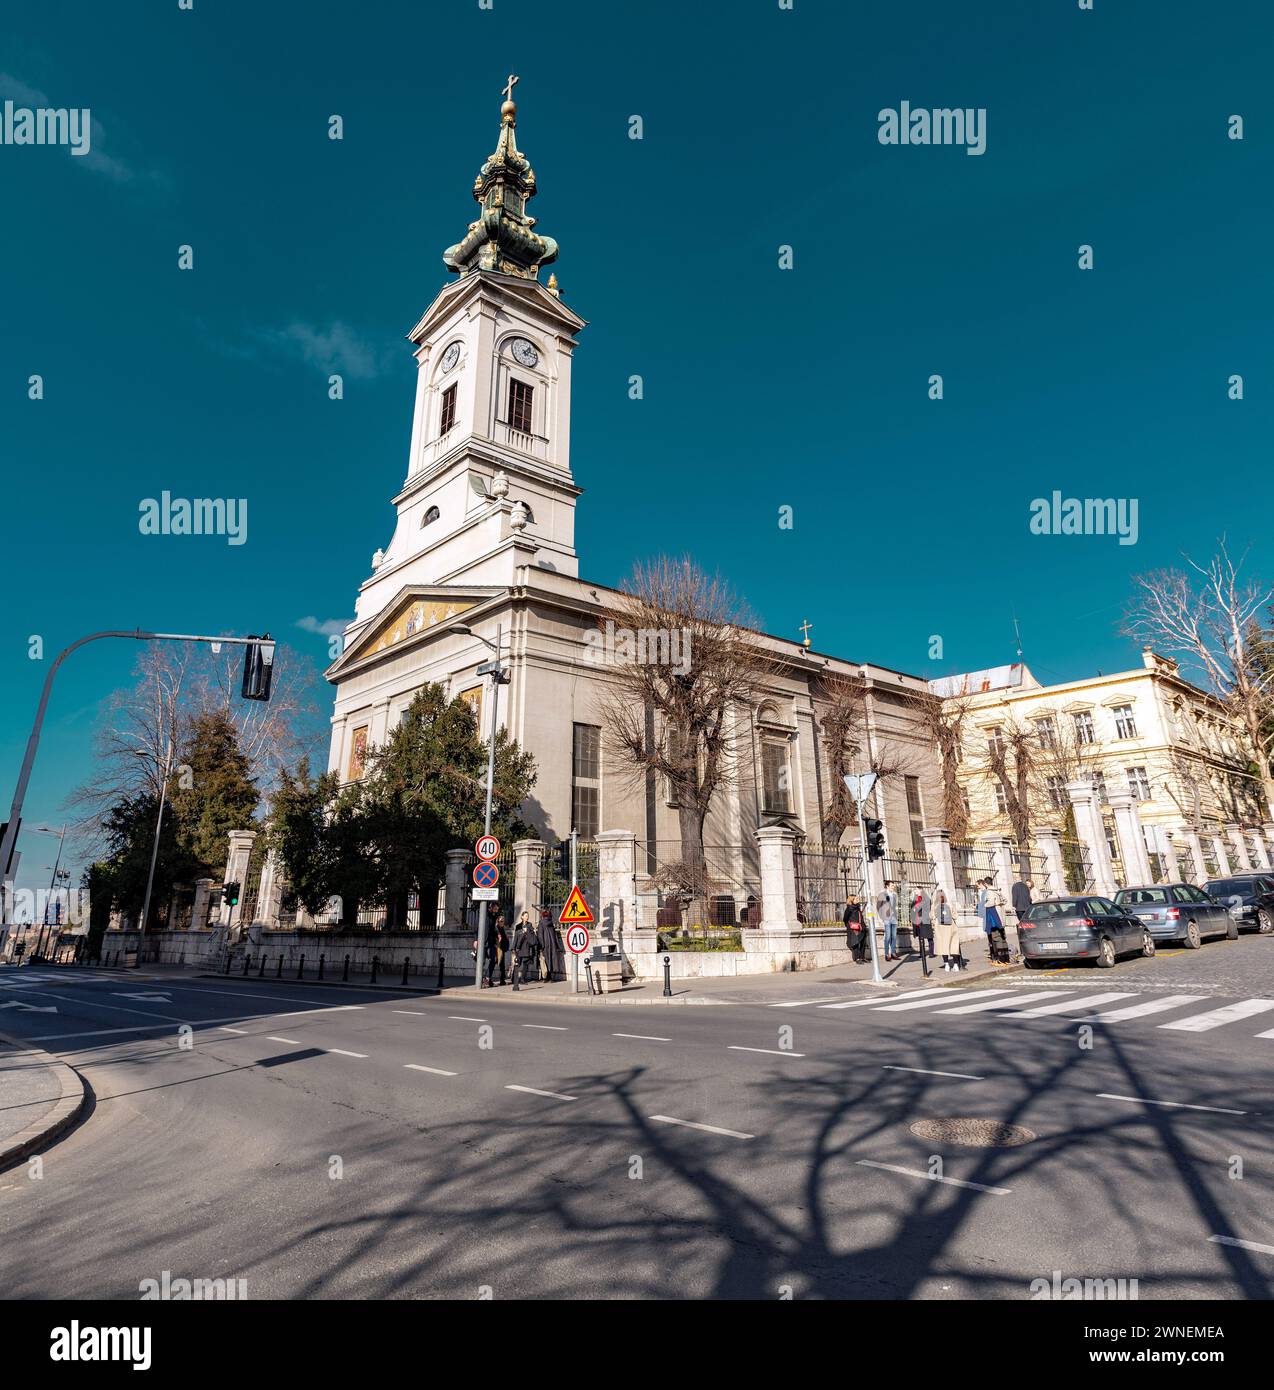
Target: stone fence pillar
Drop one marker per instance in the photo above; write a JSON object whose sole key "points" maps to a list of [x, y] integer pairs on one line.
{"points": [[240, 852], [778, 878], [616, 909], [1132, 841], [1001, 847], [1260, 849], [1190, 834], [1171, 866], [269, 893], [1049, 839], [1239, 844], [937, 844], [1222, 853], [1092, 834], [528, 857], [454, 890], [199, 908]]}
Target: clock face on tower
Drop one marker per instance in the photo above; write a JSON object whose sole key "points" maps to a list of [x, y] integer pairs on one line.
{"points": [[524, 352], [451, 357]]}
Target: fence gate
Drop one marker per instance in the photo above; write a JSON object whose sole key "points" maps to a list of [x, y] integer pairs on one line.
{"points": [[554, 889]]}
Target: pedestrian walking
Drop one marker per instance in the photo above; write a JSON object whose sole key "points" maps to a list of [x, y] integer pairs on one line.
{"points": [[922, 922], [887, 911], [1022, 897], [552, 954], [993, 925], [501, 946], [525, 949], [980, 904], [855, 932], [946, 933]]}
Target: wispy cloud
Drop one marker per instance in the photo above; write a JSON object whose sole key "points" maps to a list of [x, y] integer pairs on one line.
{"points": [[337, 348], [21, 94], [328, 627]]}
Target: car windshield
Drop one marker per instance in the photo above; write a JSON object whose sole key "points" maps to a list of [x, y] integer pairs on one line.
{"points": [[1071, 907], [1230, 887], [1134, 897]]}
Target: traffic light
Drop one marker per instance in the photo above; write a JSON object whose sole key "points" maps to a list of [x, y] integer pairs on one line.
{"points": [[258, 668], [564, 860], [875, 831], [231, 894]]}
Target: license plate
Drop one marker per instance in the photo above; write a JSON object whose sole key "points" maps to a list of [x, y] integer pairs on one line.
{"points": [[1054, 946]]}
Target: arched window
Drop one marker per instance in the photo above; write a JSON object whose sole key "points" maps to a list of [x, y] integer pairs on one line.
{"points": [[431, 515]]}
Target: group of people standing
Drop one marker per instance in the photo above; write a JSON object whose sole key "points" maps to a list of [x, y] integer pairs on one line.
{"points": [[531, 953], [933, 924]]}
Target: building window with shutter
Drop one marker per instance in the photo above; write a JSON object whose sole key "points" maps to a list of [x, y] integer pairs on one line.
{"points": [[915, 814], [1125, 724], [586, 779], [520, 395], [775, 777], [448, 410]]}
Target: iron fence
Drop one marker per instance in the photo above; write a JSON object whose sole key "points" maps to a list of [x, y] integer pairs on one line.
{"points": [[731, 896], [1077, 867], [969, 863]]}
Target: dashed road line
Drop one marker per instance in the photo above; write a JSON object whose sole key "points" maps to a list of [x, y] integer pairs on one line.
{"points": [[1242, 1244], [462, 1018], [708, 1129], [340, 1052], [295, 1042], [924, 1071], [1170, 1104], [771, 1051], [547, 1027], [532, 1091], [433, 1071], [641, 1037], [935, 1177]]}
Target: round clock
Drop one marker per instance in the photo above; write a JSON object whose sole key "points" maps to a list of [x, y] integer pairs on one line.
{"points": [[524, 352], [451, 357]]}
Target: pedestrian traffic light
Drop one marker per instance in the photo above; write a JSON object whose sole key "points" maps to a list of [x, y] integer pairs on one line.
{"points": [[875, 831], [231, 894], [258, 668], [564, 859]]}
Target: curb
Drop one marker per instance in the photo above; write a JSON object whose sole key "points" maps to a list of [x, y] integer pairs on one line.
{"points": [[70, 1105]]}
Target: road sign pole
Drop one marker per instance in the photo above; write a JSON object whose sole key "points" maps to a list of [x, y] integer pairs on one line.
{"points": [[486, 825]]}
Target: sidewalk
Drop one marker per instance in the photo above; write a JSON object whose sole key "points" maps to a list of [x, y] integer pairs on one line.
{"points": [[39, 1098]]}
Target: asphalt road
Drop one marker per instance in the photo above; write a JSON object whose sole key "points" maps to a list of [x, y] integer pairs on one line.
{"points": [[326, 1142]]}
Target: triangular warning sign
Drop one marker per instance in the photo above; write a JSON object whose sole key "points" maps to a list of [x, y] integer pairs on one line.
{"points": [[576, 909]]}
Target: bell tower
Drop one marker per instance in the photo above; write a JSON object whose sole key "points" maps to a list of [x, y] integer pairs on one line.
{"points": [[489, 486]]}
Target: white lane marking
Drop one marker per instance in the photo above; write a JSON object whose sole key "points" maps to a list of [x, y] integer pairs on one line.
{"points": [[547, 1027], [254, 993], [1155, 1006], [802, 1003], [433, 1071], [1215, 1018], [1242, 1244], [641, 1037], [411, 1013], [463, 1018], [934, 1177], [771, 1051], [875, 999], [708, 1129], [531, 1091], [1171, 1104], [234, 1030], [340, 1052], [296, 1042], [937, 997], [318, 1009], [1085, 1001], [924, 1071], [984, 1005]]}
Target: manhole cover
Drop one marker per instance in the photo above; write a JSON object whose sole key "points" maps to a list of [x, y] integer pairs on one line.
{"points": [[974, 1134]]}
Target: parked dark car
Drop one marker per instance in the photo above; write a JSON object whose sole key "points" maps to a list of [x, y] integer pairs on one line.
{"points": [[1178, 912], [1249, 898], [1081, 928]]}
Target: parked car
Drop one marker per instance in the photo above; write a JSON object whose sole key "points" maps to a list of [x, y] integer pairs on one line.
{"points": [[1178, 912], [1249, 898], [1081, 928]]}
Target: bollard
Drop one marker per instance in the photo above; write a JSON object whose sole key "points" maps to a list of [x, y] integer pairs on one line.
{"points": [[375, 967], [345, 972], [322, 958], [247, 962], [300, 969], [229, 953], [406, 963], [667, 977], [278, 974], [261, 967], [440, 972]]}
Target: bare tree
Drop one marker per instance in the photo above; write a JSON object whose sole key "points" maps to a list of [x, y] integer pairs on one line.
{"points": [[1209, 617], [943, 722], [681, 660]]}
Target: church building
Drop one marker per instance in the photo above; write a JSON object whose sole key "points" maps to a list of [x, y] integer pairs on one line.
{"points": [[484, 547]]}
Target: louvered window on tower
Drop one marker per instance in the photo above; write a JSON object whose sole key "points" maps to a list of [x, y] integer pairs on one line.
{"points": [[448, 410], [520, 395]]}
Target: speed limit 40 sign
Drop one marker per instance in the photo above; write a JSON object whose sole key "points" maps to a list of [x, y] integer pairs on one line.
{"points": [[577, 940], [488, 847]]}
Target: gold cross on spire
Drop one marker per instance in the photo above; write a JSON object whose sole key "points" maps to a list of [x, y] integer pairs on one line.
{"points": [[805, 628], [508, 87]]}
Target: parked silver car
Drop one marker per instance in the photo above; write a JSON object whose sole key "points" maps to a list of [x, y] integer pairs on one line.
{"points": [[1083, 928], [1178, 912]]}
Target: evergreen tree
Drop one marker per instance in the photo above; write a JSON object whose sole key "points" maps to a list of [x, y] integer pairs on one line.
{"points": [[212, 794]]}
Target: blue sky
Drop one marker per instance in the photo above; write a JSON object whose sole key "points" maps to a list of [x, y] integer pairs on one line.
{"points": [[764, 388]]}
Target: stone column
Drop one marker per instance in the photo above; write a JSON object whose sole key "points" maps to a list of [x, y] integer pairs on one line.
{"points": [[1260, 850], [454, 890], [528, 855], [778, 878], [1171, 868], [1132, 841], [1191, 836], [1222, 854], [1239, 845], [1006, 872], [938, 847], [1049, 839], [269, 892], [199, 908], [1269, 841], [616, 908], [241, 842], [1092, 834]]}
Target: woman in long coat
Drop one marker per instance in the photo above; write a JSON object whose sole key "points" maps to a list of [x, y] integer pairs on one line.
{"points": [[525, 949], [855, 936], [551, 953], [946, 933]]}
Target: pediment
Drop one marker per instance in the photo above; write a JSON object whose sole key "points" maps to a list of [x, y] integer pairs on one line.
{"points": [[412, 612]]}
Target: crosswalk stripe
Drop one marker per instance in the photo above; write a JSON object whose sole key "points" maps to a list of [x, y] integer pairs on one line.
{"points": [[1215, 1018], [1155, 1006], [875, 999], [939, 997], [1083, 1002], [983, 1005]]}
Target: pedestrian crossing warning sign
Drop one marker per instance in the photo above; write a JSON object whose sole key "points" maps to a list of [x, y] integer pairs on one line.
{"points": [[576, 909]]}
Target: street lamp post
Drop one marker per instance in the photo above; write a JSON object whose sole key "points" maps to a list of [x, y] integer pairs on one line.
{"points": [[860, 787], [57, 864], [154, 849], [499, 676]]}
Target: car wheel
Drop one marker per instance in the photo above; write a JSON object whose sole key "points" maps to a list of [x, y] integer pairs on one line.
{"points": [[1031, 964], [1106, 957], [1265, 921], [1148, 946], [1231, 929], [1192, 940]]}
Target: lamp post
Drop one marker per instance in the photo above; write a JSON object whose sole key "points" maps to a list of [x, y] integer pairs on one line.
{"points": [[860, 787], [154, 849], [499, 676], [57, 863]]}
